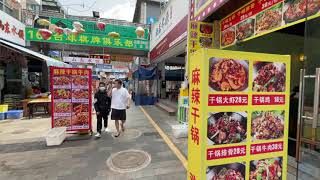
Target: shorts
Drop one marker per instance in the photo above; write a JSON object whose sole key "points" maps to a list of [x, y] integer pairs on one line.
{"points": [[118, 114]]}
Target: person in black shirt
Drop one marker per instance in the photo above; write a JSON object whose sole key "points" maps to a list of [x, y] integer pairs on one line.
{"points": [[102, 105]]}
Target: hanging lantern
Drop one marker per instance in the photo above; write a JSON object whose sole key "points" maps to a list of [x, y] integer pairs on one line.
{"points": [[45, 33], [52, 27], [67, 31], [43, 22], [114, 34], [74, 32], [77, 25], [101, 25], [140, 32], [58, 30], [81, 31]]}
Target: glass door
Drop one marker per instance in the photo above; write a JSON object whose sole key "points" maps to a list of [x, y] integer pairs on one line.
{"points": [[308, 129]]}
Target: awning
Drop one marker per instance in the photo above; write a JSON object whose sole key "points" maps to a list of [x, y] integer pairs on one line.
{"points": [[50, 61]]}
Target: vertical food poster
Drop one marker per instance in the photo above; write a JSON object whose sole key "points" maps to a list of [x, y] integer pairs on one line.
{"points": [[71, 98], [260, 17], [239, 113], [200, 36]]}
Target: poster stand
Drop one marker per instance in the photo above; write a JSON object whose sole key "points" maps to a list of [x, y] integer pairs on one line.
{"points": [[71, 99]]}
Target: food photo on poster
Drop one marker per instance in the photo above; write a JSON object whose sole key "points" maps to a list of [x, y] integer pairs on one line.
{"points": [[269, 77], [267, 125], [62, 94], [62, 122], [269, 19], [228, 74], [295, 10], [62, 108], [228, 36], [80, 94], [266, 169], [227, 171], [227, 128], [79, 82], [80, 120], [61, 82], [245, 29]]}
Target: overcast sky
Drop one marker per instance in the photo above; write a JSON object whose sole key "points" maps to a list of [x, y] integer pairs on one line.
{"points": [[112, 9]]}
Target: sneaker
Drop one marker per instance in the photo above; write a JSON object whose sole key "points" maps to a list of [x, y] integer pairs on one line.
{"points": [[98, 135], [107, 130]]}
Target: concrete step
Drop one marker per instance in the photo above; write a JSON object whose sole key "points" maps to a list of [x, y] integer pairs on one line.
{"points": [[171, 111]]}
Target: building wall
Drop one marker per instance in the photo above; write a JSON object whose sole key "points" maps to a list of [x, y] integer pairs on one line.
{"points": [[153, 10]]}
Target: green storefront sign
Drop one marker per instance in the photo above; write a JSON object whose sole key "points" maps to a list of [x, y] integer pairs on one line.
{"points": [[91, 27], [90, 40]]}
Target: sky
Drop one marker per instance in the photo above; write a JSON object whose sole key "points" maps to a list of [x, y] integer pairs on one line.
{"points": [[112, 9]]}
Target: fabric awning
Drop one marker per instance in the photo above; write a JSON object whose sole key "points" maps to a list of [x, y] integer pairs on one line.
{"points": [[50, 61]]}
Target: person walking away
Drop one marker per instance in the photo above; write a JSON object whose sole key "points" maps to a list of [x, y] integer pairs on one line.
{"points": [[102, 104], [120, 101]]}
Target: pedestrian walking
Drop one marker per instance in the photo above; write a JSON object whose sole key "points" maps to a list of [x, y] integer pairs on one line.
{"points": [[120, 101], [102, 105]]}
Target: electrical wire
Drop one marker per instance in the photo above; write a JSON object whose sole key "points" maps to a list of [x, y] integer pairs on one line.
{"points": [[89, 7]]}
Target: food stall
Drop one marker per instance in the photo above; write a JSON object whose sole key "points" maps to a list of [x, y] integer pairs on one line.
{"points": [[238, 119]]}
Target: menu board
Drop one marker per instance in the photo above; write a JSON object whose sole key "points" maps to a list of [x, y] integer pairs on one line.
{"points": [[238, 119], [71, 98], [200, 36], [260, 17]]}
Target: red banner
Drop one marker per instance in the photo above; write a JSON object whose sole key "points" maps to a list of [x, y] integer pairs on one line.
{"points": [[226, 152], [268, 100], [247, 11], [71, 98], [227, 100], [266, 147]]}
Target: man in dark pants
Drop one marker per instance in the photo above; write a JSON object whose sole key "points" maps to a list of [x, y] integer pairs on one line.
{"points": [[102, 105]]}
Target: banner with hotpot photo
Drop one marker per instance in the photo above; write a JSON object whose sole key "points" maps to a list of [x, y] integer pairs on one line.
{"points": [[260, 17], [71, 99], [239, 115]]}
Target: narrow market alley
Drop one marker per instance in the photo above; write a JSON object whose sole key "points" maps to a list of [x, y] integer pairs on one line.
{"points": [[143, 153]]}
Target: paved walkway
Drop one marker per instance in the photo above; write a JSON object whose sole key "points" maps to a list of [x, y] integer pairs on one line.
{"points": [[24, 155]]}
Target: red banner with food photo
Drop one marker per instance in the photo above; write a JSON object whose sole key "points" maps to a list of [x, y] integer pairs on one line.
{"points": [[260, 17], [71, 98]]}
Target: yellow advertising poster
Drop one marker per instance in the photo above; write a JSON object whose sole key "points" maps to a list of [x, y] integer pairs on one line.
{"points": [[239, 114], [200, 36]]}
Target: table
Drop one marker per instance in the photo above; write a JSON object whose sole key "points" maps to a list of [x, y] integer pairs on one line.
{"points": [[32, 102]]}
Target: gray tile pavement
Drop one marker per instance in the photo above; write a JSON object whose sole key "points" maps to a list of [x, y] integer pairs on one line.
{"points": [[25, 156]]}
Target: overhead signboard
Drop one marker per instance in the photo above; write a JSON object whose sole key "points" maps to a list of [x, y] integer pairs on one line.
{"points": [[32, 34], [238, 115], [11, 29], [200, 36], [260, 17], [92, 28], [83, 60]]}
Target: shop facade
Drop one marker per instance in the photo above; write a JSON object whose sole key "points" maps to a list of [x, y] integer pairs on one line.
{"points": [[278, 27], [22, 71], [168, 49]]}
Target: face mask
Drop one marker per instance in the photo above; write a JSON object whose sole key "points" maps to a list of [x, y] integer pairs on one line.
{"points": [[102, 88]]}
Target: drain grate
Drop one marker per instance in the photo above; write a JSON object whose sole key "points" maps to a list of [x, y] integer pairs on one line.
{"points": [[129, 161], [150, 134]]}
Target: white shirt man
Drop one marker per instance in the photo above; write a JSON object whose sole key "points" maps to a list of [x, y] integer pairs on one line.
{"points": [[120, 101]]}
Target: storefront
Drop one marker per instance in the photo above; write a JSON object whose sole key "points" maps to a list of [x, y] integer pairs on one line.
{"points": [[278, 27], [168, 44]]}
